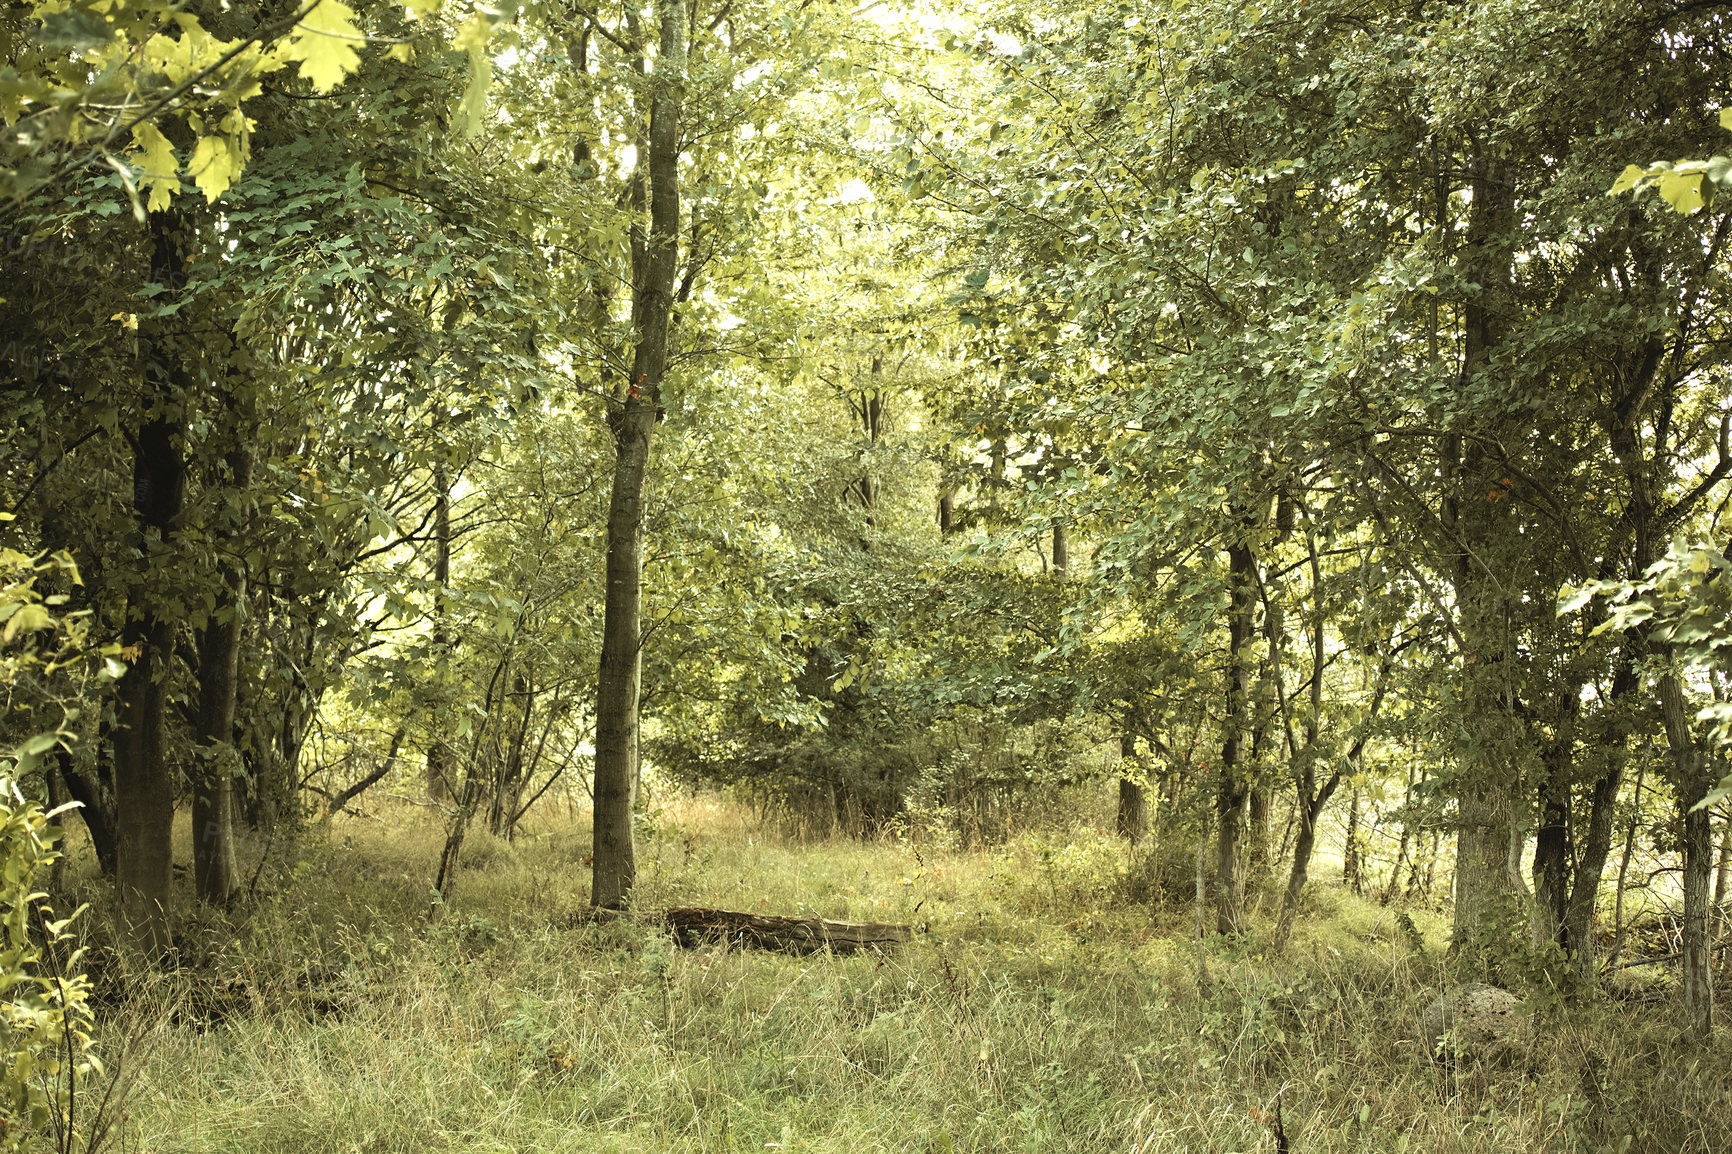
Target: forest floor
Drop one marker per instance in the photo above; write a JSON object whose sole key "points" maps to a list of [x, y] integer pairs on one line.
{"points": [[1045, 1004]]}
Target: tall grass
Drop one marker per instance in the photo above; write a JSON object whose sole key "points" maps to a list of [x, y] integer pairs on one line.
{"points": [[1042, 1006]]}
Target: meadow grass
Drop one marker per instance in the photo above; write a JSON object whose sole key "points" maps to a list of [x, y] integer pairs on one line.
{"points": [[1041, 1006]]}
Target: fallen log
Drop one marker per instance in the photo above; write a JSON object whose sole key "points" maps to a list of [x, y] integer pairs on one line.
{"points": [[693, 926]]}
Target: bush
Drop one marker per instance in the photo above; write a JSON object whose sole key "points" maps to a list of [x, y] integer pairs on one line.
{"points": [[45, 1045]]}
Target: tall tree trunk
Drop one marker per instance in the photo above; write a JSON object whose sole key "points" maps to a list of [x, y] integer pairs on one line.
{"points": [[654, 260], [1231, 794], [215, 875], [143, 779], [439, 786], [1483, 883], [1060, 550], [1690, 784]]}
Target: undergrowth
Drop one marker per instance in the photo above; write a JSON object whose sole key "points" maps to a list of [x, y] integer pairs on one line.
{"points": [[1044, 1004]]}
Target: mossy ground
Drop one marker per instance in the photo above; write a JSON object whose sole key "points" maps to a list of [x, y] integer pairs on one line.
{"points": [[1040, 1007]]}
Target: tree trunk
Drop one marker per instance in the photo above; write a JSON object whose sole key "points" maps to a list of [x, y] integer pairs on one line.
{"points": [[1133, 808], [1690, 784], [1618, 927], [1553, 853], [1060, 550], [438, 752], [654, 261], [1352, 870], [1483, 884], [95, 805], [143, 778], [1230, 796], [215, 874]]}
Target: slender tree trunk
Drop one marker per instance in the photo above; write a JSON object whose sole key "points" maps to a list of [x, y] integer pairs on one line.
{"points": [[1578, 938], [1232, 792], [1553, 856], [215, 874], [1060, 550], [1352, 870], [1618, 927], [438, 752], [655, 260], [1690, 784]]}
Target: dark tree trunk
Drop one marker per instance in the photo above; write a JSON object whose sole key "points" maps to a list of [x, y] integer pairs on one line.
{"points": [[1553, 852], [654, 259], [215, 874], [1133, 809], [1231, 794], [1578, 937], [438, 753], [95, 805], [143, 779], [1690, 784]]}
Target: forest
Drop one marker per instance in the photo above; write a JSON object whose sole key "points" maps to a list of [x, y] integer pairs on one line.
{"points": [[865, 575]]}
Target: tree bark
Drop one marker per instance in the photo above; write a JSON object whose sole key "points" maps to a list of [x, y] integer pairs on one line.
{"points": [[143, 780], [654, 261], [1133, 817], [215, 874], [1482, 874], [438, 752], [1690, 784], [95, 805], [1233, 790]]}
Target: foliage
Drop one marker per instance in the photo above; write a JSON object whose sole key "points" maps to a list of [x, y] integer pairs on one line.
{"points": [[45, 1019], [1689, 185]]}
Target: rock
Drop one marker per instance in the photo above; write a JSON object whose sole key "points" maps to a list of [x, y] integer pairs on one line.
{"points": [[1475, 1020]]}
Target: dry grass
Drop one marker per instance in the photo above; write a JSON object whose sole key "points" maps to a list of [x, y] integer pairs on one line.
{"points": [[1038, 1009]]}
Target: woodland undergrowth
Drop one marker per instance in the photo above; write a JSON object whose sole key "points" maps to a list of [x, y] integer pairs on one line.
{"points": [[1045, 1004]]}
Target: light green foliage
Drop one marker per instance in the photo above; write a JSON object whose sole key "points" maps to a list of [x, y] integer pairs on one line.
{"points": [[45, 1021], [1688, 185]]}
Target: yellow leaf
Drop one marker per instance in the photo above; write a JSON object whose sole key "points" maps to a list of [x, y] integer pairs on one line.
{"points": [[1682, 192], [159, 170], [1632, 176], [1726, 119], [29, 618], [215, 164], [473, 38], [325, 44]]}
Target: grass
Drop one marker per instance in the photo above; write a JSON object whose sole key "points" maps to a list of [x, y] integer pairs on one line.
{"points": [[1039, 1008]]}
